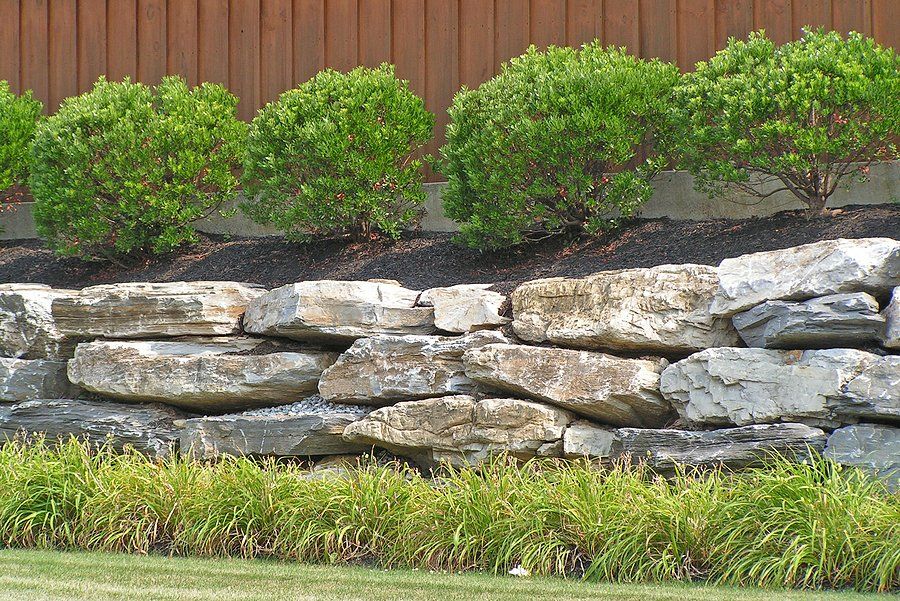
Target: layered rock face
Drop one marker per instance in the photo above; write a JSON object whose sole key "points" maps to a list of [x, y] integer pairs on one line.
{"points": [[621, 392], [732, 386], [463, 430], [874, 448], [662, 309], [334, 311], [197, 376], [27, 327], [891, 337], [23, 379], [384, 369], [143, 310], [829, 267], [465, 308], [150, 429]]}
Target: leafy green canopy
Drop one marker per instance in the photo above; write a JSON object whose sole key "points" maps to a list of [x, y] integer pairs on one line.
{"points": [[553, 144], [124, 169], [334, 156], [797, 117], [18, 118]]}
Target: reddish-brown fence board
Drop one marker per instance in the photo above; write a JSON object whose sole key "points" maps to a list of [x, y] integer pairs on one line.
{"points": [[259, 48]]}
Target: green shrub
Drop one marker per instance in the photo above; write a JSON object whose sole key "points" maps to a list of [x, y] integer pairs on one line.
{"points": [[18, 118], [798, 117], [334, 156], [125, 169], [553, 144]]}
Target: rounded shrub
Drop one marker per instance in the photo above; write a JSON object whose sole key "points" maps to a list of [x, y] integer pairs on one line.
{"points": [[334, 156], [18, 118], [554, 143], [798, 117], [123, 170]]}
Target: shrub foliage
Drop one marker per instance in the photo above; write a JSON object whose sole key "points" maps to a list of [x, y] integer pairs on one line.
{"points": [[334, 156], [18, 118], [552, 144], [798, 117], [124, 169]]}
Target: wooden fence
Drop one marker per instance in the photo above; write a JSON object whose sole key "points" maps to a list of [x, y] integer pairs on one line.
{"points": [[258, 48]]}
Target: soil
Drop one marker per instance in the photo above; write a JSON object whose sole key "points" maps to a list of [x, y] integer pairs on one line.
{"points": [[420, 260]]}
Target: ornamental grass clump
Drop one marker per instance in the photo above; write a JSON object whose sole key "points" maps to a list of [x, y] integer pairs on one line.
{"points": [[561, 141], [335, 157], [799, 118], [124, 170]]}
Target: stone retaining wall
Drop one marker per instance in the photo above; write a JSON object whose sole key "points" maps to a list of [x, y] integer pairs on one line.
{"points": [[785, 352]]}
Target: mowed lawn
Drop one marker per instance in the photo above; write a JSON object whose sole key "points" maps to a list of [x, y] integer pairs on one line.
{"points": [[45, 575]]}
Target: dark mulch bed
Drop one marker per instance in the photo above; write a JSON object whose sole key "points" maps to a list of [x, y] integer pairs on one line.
{"points": [[426, 260]]}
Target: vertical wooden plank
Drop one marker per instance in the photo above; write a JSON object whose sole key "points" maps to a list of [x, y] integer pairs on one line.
{"points": [[374, 32], [91, 42], [734, 19], [181, 40], [9, 43], [212, 41], [886, 23], [121, 52], [35, 52], [309, 39], [243, 55], [408, 44], [63, 79], [621, 25], [548, 23], [441, 63], [582, 21], [151, 61], [476, 42], [276, 70], [512, 29], [696, 32], [341, 34], [657, 29], [775, 16], [852, 15], [810, 13]]}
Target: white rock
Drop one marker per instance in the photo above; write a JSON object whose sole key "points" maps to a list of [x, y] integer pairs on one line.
{"points": [[829, 267], [28, 379], [465, 308], [662, 309], [891, 337], [27, 327], [338, 311]]}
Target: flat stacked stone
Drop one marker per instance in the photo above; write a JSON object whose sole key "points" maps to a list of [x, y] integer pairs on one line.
{"points": [[27, 327], [26, 379]]}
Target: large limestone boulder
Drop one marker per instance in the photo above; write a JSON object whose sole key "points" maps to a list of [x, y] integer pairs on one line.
{"points": [[335, 311], [203, 377], [463, 430], [663, 450], [874, 448], [310, 427], [891, 337], [27, 379], [662, 309], [827, 388], [144, 310], [829, 267], [830, 321], [148, 428], [465, 308], [27, 327], [612, 390], [382, 370]]}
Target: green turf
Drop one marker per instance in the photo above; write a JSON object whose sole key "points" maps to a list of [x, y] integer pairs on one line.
{"points": [[46, 575]]}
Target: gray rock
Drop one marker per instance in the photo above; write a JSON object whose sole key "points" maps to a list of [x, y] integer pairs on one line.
{"points": [[150, 429], [463, 430], [201, 377], [27, 327], [384, 369], [872, 447], [146, 310], [465, 308], [662, 309], [27, 379], [891, 337], [663, 450], [621, 392], [336, 311], [826, 388], [828, 322], [829, 267]]}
